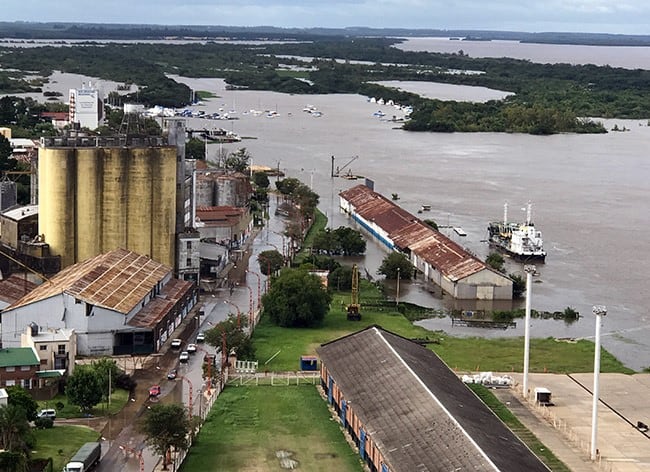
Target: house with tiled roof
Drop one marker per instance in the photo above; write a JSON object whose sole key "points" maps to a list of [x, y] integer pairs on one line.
{"points": [[407, 411], [441, 260], [119, 302]]}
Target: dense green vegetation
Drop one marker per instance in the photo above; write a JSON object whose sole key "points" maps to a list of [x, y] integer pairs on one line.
{"points": [[248, 425], [549, 98]]}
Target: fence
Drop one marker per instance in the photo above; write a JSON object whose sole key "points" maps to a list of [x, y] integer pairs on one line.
{"points": [[275, 378]]}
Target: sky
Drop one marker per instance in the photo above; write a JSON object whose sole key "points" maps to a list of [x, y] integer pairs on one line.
{"points": [[595, 16]]}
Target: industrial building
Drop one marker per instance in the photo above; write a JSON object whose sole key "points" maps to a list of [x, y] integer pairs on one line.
{"points": [[119, 302], [407, 411], [98, 194], [441, 260]]}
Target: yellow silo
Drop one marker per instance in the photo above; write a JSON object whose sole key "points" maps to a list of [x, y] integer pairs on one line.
{"points": [[138, 205], [114, 198], [163, 209], [94, 199], [57, 191], [89, 185]]}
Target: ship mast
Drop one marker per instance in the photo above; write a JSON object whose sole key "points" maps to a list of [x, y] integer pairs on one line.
{"points": [[505, 214], [529, 213]]}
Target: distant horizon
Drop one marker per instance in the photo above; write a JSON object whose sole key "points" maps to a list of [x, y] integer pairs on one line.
{"points": [[627, 17]]}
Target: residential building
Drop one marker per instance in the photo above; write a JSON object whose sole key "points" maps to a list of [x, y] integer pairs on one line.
{"points": [[56, 348], [18, 366]]}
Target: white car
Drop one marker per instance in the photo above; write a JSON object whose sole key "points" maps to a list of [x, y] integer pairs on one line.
{"points": [[191, 348], [177, 343], [184, 357], [200, 337]]}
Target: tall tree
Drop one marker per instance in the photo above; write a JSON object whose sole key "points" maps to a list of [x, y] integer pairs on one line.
{"points": [[15, 432], [394, 261], [106, 369], [236, 337], [84, 388], [297, 299], [238, 161], [350, 240], [166, 426], [20, 397], [270, 262]]}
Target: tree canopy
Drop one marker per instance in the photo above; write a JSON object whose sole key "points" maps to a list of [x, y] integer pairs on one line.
{"points": [[297, 299], [18, 396], [84, 388], [236, 337], [15, 433], [394, 261], [270, 262], [166, 426]]}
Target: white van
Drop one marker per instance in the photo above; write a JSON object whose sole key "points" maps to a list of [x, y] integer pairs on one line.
{"points": [[47, 413]]}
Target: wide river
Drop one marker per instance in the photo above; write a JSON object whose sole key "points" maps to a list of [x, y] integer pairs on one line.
{"points": [[589, 193]]}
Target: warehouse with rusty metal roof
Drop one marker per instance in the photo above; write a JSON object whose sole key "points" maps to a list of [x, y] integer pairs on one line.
{"points": [[119, 302], [407, 411], [440, 260]]}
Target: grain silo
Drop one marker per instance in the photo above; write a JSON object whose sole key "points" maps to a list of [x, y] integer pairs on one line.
{"points": [[102, 194]]}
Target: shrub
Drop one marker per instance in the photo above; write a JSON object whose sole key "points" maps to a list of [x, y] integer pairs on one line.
{"points": [[44, 423]]}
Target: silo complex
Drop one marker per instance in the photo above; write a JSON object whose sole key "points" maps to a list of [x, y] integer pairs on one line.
{"points": [[95, 199]]}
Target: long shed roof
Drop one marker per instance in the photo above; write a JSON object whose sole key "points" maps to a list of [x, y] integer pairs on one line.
{"points": [[419, 414], [117, 280], [409, 232]]}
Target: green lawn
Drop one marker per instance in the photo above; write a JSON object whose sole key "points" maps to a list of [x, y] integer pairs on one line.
{"points": [[61, 442], [507, 355], [295, 342], [461, 354], [249, 425], [118, 400]]}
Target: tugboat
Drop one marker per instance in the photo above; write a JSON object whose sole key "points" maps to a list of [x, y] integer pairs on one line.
{"points": [[522, 241]]}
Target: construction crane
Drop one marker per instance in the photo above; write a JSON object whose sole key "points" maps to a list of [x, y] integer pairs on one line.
{"points": [[354, 308], [337, 172]]}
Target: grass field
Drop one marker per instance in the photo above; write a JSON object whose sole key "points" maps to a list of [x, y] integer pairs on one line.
{"points": [[61, 442], [461, 354], [249, 425], [118, 400], [291, 343]]}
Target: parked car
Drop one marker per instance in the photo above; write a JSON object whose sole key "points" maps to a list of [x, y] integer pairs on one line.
{"points": [[177, 343], [184, 357], [200, 337], [47, 413], [154, 390], [171, 375], [191, 348]]}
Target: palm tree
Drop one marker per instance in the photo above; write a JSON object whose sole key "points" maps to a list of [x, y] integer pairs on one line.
{"points": [[15, 433]]}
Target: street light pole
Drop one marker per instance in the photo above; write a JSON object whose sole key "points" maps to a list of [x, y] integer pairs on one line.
{"points": [[397, 291], [599, 311], [530, 270], [259, 287]]}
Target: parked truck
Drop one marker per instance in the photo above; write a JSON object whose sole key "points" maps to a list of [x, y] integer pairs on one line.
{"points": [[86, 458]]}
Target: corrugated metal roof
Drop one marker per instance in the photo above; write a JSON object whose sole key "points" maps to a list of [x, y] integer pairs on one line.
{"points": [[157, 308], [417, 411], [17, 356], [408, 231], [21, 212], [14, 288], [117, 280]]}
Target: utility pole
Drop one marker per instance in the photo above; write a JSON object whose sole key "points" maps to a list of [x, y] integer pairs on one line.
{"points": [[599, 311], [530, 270]]}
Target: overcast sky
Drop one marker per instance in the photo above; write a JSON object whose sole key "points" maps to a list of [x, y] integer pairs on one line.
{"points": [[598, 16]]}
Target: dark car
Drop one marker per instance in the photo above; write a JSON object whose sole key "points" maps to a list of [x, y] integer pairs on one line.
{"points": [[172, 374], [154, 390]]}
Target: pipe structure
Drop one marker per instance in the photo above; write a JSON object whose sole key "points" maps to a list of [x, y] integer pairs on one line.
{"points": [[259, 287], [530, 270], [599, 311], [191, 412]]}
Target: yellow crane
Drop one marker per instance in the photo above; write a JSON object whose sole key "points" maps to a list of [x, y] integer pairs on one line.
{"points": [[354, 308]]}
